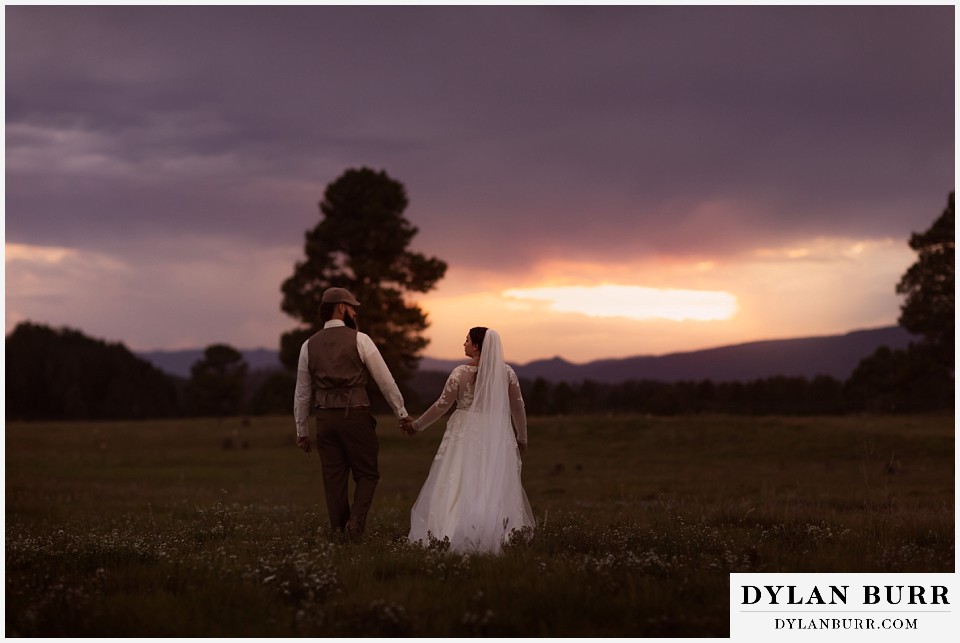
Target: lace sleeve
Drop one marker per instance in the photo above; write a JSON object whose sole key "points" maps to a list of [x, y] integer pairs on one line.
{"points": [[517, 408], [447, 398]]}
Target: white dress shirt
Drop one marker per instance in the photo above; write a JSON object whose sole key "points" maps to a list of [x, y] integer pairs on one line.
{"points": [[372, 359]]}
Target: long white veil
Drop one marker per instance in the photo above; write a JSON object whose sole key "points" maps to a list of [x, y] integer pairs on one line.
{"points": [[494, 502], [490, 394]]}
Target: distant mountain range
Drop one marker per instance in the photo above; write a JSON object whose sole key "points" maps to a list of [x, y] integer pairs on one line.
{"points": [[833, 355]]}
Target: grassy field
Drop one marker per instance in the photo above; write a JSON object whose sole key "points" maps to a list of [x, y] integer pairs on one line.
{"points": [[217, 528]]}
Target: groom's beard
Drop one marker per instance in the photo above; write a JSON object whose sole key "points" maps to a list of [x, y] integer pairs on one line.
{"points": [[350, 322]]}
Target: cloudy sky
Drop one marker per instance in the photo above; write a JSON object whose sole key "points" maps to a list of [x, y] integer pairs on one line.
{"points": [[603, 182]]}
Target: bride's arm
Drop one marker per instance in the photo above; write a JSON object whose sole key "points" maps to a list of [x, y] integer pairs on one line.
{"points": [[449, 395], [517, 408]]}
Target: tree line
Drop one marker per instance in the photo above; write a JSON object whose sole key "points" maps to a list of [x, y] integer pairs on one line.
{"points": [[778, 395], [61, 374]]}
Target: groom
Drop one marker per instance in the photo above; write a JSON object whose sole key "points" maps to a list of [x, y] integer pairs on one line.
{"points": [[334, 367]]}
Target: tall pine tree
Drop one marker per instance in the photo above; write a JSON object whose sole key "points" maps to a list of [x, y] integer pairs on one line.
{"points": [[361, 243], [929, 286]]}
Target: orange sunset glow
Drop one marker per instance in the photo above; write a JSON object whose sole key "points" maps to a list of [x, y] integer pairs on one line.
{"points": [[633, 302], [766, 293]]}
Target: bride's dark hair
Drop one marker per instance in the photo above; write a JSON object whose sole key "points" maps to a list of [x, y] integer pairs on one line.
{"points": [[477, 334]]}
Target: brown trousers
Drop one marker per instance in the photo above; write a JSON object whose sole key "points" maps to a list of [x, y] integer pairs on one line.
{"points": [[347, 443]]}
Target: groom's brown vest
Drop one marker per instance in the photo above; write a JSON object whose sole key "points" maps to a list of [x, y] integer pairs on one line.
{"points": [[338, 374]]}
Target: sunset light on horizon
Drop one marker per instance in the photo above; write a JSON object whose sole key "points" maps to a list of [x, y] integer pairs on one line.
{"points": [[633, 302], [833, 287]]}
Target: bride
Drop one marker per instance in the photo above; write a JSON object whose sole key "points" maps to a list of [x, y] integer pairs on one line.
{"points": [[473, 494]]}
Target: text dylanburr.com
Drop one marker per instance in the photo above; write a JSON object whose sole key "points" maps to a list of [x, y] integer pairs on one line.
{"points": [[844, 607]]}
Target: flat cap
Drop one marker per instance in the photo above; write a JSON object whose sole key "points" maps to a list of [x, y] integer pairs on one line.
{"points": [[338, 296]]}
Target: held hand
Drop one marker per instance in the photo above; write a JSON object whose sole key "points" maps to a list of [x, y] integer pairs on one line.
{"points": [[406, 426], [303, 442]]}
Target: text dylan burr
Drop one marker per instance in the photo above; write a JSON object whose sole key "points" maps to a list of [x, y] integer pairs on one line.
{"points": [[837, 595]]}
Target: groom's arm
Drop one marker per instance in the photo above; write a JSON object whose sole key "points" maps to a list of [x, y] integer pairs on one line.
{"points": [[373, 360], [301, 400]]}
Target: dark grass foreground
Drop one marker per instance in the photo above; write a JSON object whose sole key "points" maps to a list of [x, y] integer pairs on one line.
{"points": [[204, 528]]}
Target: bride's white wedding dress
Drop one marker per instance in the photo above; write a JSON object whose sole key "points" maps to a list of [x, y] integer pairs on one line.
{"points": [[473, 494]]}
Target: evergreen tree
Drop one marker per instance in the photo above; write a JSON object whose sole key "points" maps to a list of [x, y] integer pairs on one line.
{"points": [[901, 381], [929, 286], [217, 382], [361, 243]]}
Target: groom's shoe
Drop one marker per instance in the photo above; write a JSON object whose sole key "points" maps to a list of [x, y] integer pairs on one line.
{"points": [[354, 530]]}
